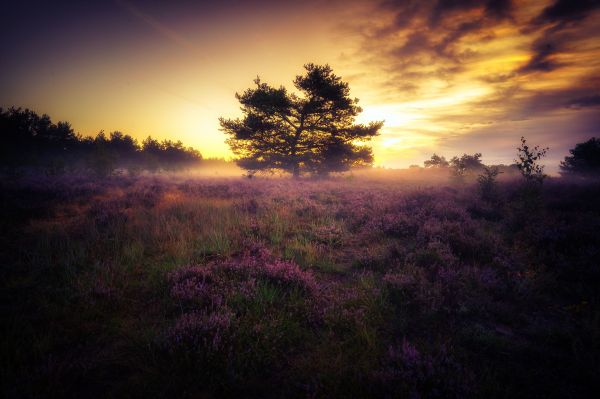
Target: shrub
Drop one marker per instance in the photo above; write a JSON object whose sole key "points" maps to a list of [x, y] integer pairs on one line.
{"points": [[528, 161]]}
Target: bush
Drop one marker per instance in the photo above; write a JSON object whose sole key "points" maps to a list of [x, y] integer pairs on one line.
{"points": [[528, 162], [584, 160]]}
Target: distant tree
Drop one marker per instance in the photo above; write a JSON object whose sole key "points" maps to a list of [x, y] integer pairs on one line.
{"points": [[102, 161], [167, 155], [123, 145], [151, 150], [175, 156], [528, 161], [487, 183], [466, 163], [312, 132], [584, 159], [436, 161], [30, 141]]}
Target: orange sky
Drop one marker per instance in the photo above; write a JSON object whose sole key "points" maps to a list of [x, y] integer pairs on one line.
{"points": [[447, 77]]}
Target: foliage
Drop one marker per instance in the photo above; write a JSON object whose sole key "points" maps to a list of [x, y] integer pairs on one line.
{"points": [[436, 161], [31, 141], [466, 163], [528, 161], [487, 182], [314, 133], [584, 159]]}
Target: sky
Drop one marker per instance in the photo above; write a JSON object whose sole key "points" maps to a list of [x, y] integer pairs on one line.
{"points": [[447, 77]]}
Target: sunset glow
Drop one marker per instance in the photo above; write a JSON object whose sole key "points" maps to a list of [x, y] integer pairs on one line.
{"points": [[447, 77], [300, 199]]}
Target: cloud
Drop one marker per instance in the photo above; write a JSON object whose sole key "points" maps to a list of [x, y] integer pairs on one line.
{"points": [[564, 11], [558, 22], [584, 102], [423, 38], [483, 73], [544, 49]]}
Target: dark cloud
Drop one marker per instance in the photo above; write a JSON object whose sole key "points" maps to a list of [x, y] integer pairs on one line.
{"points": [[584, 102], [434, 29], [562, 11], [416, 42], [555, 19], [440, 13], [499, 9], [438, 27], [455, 34], [544, 49], [494, 9]]}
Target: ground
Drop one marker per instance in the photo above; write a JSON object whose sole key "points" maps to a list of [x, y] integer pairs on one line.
{"points": [[156, 286]]}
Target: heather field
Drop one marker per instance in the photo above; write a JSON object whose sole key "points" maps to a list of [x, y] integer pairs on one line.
{"points": [[371, 285]]}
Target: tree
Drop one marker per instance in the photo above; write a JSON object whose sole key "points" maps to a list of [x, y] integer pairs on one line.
{"points": [[460, 166], [584, 160], [436, 161], [313, 132], [528, 162], [487, 183], [33, 142]]}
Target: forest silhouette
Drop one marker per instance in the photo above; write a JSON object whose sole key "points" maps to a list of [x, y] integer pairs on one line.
{"points": [[34, 142]]}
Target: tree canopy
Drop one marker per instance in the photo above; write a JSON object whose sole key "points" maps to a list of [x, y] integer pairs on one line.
{"points": [[313, 131], [584, 159], [466, 163], [436, 161], [31, 141]]}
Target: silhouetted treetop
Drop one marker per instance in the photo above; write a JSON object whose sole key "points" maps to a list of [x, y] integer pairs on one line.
{"points": [[436, 161], [313, 132], [466, 163], [584, 159], [33, 141]]}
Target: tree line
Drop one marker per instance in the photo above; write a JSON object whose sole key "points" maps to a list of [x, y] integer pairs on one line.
{"points": [[311, 131], [34, 142], [584, 162]]}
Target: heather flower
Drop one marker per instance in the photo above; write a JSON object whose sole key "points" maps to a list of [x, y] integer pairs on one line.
{"points": [[410, 372], [201, 331]]}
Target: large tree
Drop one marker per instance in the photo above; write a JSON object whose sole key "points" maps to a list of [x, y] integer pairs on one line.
{"points": [[584, 159], [313, 131]]}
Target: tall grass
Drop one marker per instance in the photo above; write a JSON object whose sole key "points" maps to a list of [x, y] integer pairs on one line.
{"points": [[267, 288]]}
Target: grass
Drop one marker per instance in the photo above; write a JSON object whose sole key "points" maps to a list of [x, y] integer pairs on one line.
{"points": [[347, 287]]}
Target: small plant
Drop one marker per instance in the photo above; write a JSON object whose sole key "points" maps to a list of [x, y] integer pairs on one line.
{"points": [[487, 183], [528, 161]]}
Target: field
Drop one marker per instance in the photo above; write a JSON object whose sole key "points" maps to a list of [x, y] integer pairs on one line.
{"points": [[365, 286]]}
